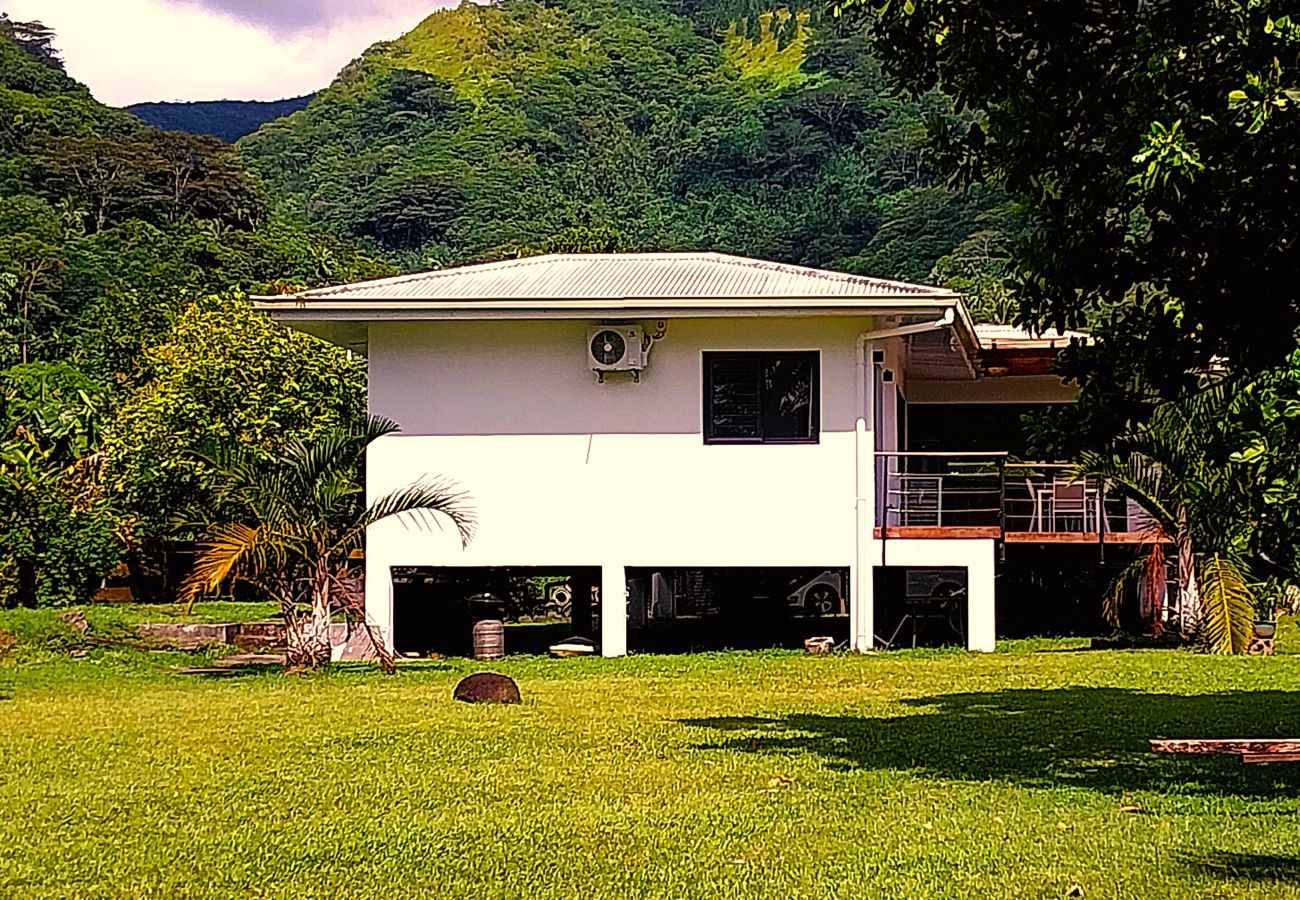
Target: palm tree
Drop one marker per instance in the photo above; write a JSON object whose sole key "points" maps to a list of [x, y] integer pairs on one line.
{"points": [[291, 526], [1174, 466]]}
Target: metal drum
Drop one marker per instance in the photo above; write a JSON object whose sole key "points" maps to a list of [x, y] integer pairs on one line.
{"points": [[489, 639]]}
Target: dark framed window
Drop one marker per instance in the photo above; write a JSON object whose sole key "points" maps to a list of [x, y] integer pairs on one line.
{"points": [[761, 398]]}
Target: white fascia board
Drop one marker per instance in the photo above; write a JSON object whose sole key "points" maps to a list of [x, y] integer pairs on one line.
{"points": [[322, 310]]}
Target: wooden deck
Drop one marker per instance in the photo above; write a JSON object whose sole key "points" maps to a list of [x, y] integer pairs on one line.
{"points": [[930, 532], [1079, 537], [968, 532]]}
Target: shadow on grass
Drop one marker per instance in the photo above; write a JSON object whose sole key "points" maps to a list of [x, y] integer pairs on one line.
{"points": [[228, 673], [1083, 737], [403, 665], [256, 669], [1244, 866]]}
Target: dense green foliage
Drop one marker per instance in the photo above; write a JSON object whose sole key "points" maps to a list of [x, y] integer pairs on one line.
{"points": [[1152, 148], [115, 359], [488, 131], [228, 120], [494, 130], [59, 535], [904, 775], [224, 376]]}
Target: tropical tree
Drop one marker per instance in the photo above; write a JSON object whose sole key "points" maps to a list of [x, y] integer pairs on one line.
{"points": [[290, 529], [223, 376], [1176, 467], [1150, 150]]}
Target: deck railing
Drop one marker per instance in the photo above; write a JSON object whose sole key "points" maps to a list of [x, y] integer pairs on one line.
{"points": [[989, 490]]}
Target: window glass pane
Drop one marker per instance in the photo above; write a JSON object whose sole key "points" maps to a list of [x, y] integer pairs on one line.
{"points": [[787, 397], [734, 410]]}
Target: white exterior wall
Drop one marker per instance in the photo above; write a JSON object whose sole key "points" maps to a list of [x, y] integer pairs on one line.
{"points": [[564, 471]]}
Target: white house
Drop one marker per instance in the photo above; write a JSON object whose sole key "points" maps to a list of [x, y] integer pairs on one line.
{"points": [[692, 411]]}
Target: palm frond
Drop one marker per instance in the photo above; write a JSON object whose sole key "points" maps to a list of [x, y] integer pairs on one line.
{"points": [[229, 549], [1114, 596], [338, 448], [1146, 572], [1228, 605], [417, 503], [377, 427], [1137, 477], [328, 453]]}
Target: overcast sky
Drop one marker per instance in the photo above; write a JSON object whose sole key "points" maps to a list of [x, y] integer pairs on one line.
{"points": [[127, 51]]}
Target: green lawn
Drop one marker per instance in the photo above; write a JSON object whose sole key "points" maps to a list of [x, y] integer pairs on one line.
{"points": [[1017, 774]]}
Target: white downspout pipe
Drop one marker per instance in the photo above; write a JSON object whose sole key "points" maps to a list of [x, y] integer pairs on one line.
{"points": [[862, 611]]}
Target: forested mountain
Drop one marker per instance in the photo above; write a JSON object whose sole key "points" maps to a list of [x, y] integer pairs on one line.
{"points": [[228, 120], [125, 343], [127, 346], [495, 130]]}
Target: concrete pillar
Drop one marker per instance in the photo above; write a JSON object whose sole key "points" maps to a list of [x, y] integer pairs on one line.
{"points": [[379, 598], [981, 623], [977, 556], [613, 610], [862, 607]]}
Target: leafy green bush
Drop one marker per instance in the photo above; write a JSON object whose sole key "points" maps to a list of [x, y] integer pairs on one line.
{"points": [[59, 538]]}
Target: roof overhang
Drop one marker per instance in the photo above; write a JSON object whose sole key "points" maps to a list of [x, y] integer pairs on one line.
{"points": [[616, 286], [1007, 350], [346, 323], [292, 309]]}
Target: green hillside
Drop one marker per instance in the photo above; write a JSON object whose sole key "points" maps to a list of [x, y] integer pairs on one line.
{"points": [[126, 345], [491, 131], [127, 348]]}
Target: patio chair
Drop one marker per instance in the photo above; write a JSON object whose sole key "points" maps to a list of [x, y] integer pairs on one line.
{"points": [[920, 499], [1035, 492], [1069, 502], [944, 610]]}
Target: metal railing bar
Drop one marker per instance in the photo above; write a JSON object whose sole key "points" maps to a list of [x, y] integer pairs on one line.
{"points": [[978, 454]]}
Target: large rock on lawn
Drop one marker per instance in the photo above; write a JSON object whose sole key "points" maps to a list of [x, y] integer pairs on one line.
{"points": [[487, 687]]}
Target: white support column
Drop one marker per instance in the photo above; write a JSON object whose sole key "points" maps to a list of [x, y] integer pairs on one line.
{"points": [[981, 624], [379, 600], [613, 610], [377, 580]]}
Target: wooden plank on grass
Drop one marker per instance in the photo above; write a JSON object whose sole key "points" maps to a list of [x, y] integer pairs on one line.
{"points": [[1270, 757], [1236, 746]]}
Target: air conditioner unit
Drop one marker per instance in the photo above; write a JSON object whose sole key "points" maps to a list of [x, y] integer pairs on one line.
{"points": [[616, 348]]}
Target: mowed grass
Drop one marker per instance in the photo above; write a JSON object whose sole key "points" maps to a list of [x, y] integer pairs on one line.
{"points": [[939, 774]]}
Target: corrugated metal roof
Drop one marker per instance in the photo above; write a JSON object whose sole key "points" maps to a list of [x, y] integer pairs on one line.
{"points": [[621, 276]]}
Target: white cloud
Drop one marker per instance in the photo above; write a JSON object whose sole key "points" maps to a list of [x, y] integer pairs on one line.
{"points": [[129, 51], [298, 15]]}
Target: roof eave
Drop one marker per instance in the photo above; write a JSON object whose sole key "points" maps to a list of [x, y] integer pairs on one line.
{"points": [[299, 313], [370, 310]]}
